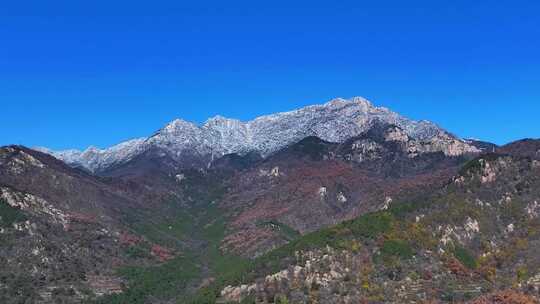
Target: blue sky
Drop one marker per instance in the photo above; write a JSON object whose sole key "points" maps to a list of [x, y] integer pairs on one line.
{"points": [[74, 76]]}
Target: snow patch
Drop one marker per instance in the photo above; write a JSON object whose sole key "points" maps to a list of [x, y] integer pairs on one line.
{"points": [[335, 121]]}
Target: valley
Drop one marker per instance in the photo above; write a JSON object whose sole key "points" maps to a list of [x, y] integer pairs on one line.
{"points": [[343, 202]]}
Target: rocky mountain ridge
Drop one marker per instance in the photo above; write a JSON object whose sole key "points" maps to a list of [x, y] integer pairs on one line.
{"points": [[475, 240], [179, 217], [314, 183], [334, 121]]}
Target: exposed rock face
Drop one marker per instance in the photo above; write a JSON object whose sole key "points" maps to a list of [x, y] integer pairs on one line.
{"points": [[52, 254], [472, 240], [339, 276], [314, 183], [35, 205], [320, 166], [484, 146], [73, 231], [95, 159], [65, 242], [533, 209], [335, 121], [69, 189], [462, 234]]}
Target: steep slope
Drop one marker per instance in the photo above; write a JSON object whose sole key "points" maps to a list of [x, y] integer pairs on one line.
{"points": [[164, 216], [335, 121], [247, 204], [483, 146], [94, 159], [40, 174], [469, 241], [526, 148], [154, 206], [314, 183], [62, 231]]}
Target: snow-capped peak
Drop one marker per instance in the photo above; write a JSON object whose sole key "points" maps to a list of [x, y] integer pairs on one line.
{"points": [[95, 159], [339, 102], [335, 121], [177, 125]]}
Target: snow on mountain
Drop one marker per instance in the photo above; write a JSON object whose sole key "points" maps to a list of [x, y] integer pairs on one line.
{"points": [[334, 121], [95, 159]]}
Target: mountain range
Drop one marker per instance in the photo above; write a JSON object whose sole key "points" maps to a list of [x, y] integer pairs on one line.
{"points": [[334, 121], [343, 202]]}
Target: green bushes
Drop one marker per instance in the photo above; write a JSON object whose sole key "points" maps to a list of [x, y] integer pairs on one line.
{"points": [[402, 209], [397, 248], [286, 231], [281, 300], [476, 164], [138, 251], [368, 226], [163, 281], [10, 215], [465, 257], [371, 225], [312, 146], [21, 289], [175, 279]]}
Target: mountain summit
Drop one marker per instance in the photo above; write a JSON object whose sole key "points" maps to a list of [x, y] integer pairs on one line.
{"points": [[335, 121], [343, 201]]}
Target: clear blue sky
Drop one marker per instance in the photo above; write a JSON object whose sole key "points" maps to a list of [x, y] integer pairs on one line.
{"points": [[74, 76]]}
